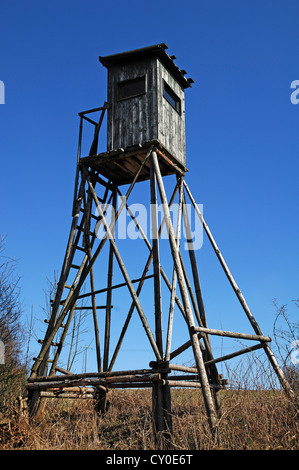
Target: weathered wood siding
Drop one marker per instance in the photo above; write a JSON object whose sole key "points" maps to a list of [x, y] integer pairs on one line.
{"points": [[171, 124], [147, 117], [133, 120]]}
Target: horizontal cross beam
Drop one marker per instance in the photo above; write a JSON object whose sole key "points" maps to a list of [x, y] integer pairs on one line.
{"points": [[230, 334]]}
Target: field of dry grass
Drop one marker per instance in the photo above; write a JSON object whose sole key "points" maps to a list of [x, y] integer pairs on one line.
{"points": [[250, 420]]}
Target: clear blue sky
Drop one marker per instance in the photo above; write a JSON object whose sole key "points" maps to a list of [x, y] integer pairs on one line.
{"points": [[241, 128]]}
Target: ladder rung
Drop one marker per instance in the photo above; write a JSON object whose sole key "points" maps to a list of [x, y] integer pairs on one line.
{"points": [[41, 341], [48, 360], [90, 308], [92, 215], [99, 198], [75, 266], [81, 229], [80, 248], [62, 324]]}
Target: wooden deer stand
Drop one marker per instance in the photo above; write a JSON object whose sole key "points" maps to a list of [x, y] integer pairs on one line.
{"points": [[145, 78]]}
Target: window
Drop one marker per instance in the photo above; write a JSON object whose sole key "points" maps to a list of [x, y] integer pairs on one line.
{"points": [[172, 98], [130, 88]]}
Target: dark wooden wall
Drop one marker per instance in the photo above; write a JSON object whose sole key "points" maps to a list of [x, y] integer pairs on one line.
{"points": [[171, 124], [149, 116], [134, 120]]}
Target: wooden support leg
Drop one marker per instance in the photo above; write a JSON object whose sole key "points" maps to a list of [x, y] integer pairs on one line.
{"points": [[209, 404], [102, 403], [161, 400], [156, 261], [161, 415], [278, 370]]}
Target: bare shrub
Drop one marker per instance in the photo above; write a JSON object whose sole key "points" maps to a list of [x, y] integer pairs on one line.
{"points": [[12, 372]]}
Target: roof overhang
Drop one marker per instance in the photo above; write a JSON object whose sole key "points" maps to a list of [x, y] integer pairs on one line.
{"points": [[157, 50]]}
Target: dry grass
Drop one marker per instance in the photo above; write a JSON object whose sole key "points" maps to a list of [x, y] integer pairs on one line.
{"points": [[250, 420]]}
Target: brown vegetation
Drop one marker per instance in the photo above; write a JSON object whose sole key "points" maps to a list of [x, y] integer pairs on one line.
{"points": [[251, 420], [12, 370], [254, 414]]}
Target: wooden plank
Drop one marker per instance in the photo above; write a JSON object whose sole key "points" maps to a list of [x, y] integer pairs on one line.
{"points": [[186, 384], [182, 368], [192, 377], [231, 334], [93, 375], [133, 378], [83, 382]]}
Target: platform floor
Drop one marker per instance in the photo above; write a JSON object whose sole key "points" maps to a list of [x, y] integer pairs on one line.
{"points": [[120, 166]]}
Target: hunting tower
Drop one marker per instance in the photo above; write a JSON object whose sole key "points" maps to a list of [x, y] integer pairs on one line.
{"points": [[146, 94], [145, 141]]}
